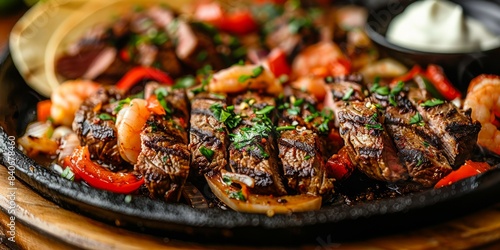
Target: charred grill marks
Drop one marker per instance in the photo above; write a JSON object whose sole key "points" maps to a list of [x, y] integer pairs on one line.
{"points": [[164, 158]]}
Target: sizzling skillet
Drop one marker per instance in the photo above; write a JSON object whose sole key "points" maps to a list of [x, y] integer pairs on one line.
{"points": [[336, 222]]}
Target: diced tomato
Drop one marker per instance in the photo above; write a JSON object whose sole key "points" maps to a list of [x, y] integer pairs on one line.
{"points": [[100, 177], [467, 170], [139, 73], [416, 70], [339, 166], [437, 77], [277, 63], [154, 106], [43, 110], [340, 67], [238, 22]]}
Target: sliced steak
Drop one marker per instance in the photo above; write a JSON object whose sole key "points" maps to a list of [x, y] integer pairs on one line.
{"points": [[302, 149], [425, 163], [252, 151], [207, 133], [164, 158], [96, 129], [368, 144], [455, 129], [339, 93]]}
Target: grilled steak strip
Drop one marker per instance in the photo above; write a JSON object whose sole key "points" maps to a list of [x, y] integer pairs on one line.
{"points": [[368, 144], [96, 129], [207, 132], [337, 96], [252, 151], [164, 158], [455, 129], [302, 150], [425, 163]]}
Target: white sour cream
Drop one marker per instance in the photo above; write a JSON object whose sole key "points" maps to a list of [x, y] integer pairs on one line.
{"points": [[439, 26]]}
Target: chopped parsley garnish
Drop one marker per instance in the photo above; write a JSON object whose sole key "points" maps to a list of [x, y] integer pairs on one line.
{"points": [[348, 94], [419, 162], [249, 135], [68, 174], [294, 111], [237, 195], [225, 115], [307, 157], [184, 82], [265, 110], [378, 106], [298, 102], [208, 153], [121, 103], [106, 117], [374, 126], [417, 119], [327, 116], [227, 180], [161, 93], [283, 128], [255, 73], [432, 103], [298, 23], [392, 100], [382, 90], [426, 144], [398, 88]]}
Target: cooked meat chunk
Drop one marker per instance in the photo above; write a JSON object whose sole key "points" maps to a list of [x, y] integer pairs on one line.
{"points": [[425, 163], [164, 158], [207, 133], [455, 129], [252, 151], [302, 150], [368, 144], [339, 93], [95, 127]]}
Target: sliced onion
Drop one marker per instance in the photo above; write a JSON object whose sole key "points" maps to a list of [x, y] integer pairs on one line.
{"points": [[242, 179], [39, 129], [37, 139], [264, 204], [67, 145], [60, 132]]}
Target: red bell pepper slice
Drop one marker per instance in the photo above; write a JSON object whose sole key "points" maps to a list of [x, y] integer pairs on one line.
{"points": [[416, 70], [278, 64], [436, 75], [467, 170], [340, 67], [43, 110], [340, 166], [100, 177], [140, 73]]}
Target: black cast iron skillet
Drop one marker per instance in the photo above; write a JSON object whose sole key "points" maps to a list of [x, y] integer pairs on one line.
{"points": [[333, 223]]}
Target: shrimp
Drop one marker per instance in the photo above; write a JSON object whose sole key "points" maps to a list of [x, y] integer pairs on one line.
{"points": [[129, 122], [239, 78], [314, 56], [67, 98], [483, 98]]}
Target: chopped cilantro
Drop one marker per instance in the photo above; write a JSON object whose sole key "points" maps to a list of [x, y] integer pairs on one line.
{"points": [[298, 102], [282, 128], [227, 180], [208, 153], [237, 195], [348, 94], [392, 100], [417, 119], [432, 103], [426, 144], [307, 157], [384, 90], [377, 126], [264, 110], [398, 88], [121, 103], [106, 117]]}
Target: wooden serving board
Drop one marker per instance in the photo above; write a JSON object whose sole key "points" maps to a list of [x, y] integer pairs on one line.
{"points": [[40, 224]]}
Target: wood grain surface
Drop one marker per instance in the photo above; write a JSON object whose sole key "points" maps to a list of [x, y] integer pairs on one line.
{"points": [[40, 224]]}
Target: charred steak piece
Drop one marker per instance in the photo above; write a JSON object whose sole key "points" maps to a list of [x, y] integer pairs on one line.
{"points": [[456, 130], [208, 136], [425, 163], [339, 93], [368, 144], [164, 158], [252, 151], [301, 148], [94, 124]]}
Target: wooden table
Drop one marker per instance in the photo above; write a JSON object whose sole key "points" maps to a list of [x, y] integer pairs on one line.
{"points": [[41, 224]]}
